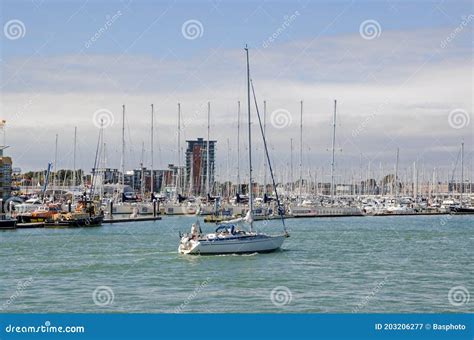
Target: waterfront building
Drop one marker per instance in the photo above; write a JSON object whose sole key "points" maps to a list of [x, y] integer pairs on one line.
{"points": [[108, 175], [5, 175], [196, 165]]}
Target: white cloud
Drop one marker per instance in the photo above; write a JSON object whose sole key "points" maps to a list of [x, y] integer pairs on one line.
{"points": [[403, 81]]}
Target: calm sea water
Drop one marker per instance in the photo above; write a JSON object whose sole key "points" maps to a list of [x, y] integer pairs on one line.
{"points": [[360, 264]]}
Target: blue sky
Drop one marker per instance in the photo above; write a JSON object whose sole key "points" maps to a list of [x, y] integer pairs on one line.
{"points": [[227, 24], [396, 89]]}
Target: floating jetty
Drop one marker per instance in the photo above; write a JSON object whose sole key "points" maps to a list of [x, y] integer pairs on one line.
{"points": [[137, 219], [108, 221]]}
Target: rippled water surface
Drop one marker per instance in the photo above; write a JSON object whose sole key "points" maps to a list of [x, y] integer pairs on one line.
{"points": [[359, 264]]}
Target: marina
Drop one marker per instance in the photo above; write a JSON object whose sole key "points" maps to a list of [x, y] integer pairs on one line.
{"points": [[236, 170], [401, 263]]}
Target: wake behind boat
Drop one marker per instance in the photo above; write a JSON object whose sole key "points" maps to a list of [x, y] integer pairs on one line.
{"points": [[228, 238]]}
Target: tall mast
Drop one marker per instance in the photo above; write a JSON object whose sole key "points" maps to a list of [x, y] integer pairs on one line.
{"points": [[74, 160], [264, 136], [238, 147], [178, 173], [301, 149], [360, 175], [151, 142], [122, 165], [55, 173], [104, 162], [142, 173], [414, 181], [228, 169], [250, 140], [291, 165], [396, 173], [333, 146], [462, 171], [207, 145]]}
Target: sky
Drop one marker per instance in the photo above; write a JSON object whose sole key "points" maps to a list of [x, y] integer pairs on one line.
{"points": [[401, 72]]}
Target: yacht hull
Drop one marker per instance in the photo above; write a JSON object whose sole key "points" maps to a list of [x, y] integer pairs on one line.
{"points": [[240, 245], [463, 210], [325, 211]]}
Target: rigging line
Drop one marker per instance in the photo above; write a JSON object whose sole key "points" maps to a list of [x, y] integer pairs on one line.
{"points": [[280, 210], [455, 166], [96, 162]]}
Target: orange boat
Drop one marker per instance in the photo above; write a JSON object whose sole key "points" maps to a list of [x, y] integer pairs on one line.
{"points": [[44, 213]]}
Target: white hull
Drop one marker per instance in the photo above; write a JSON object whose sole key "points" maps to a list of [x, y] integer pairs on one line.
{"points": [[257, 243], [141, 208], [174, 209], [325, 211], [145, 208], [122, 209], [399, 210]]}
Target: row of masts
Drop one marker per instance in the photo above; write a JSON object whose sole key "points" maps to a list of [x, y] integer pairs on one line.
{"points": [[239, 189]]}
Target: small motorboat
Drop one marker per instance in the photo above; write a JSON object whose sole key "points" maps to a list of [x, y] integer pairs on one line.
{"points": [[7, 222]]}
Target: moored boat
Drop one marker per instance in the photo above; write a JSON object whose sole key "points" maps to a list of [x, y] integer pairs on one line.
{"points": [[7, 223]]}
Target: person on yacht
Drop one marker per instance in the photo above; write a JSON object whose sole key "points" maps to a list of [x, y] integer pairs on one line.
{"points": [[194, 231]]}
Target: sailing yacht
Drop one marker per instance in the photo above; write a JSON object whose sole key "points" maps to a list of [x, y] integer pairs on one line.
{"points": [[228, 237]]}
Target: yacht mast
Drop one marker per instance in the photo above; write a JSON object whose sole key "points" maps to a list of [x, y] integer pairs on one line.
{"points": [[301, 150], [178, 172], [74, 160], [333, 146], [142, 171], [462, 172], [228, 170], [122, 165], [265, 136], [207, 146], [55, 173], [250, 194], [151, 153], [291, 166], [396, 174], [238, 148]]}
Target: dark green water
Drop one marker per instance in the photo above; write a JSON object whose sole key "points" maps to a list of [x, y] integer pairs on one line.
{"points": [[360, 264]]}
